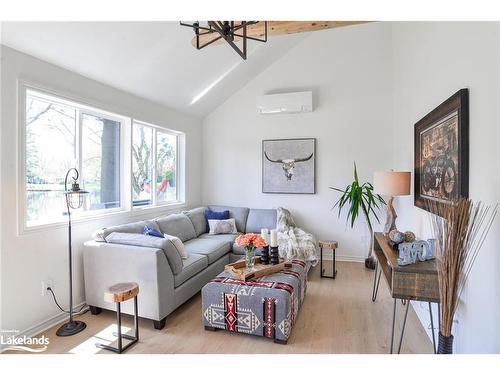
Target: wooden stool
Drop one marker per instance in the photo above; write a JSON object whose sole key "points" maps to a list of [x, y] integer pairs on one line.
{"points": [[328, 245], [119, 293]]}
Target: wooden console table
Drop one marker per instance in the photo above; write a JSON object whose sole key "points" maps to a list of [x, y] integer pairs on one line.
{"points": [[417, 282]]}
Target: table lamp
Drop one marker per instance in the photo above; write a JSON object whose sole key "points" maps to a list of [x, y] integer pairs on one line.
{"points": [[391, 184]]}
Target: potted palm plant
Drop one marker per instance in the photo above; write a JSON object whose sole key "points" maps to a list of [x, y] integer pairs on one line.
{"points": [[359, 197]]}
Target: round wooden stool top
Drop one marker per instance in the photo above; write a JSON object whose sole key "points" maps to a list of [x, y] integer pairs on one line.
{"points": [[328, 244], [121, 292]]}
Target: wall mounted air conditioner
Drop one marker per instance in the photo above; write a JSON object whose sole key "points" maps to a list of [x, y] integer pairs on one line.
{"points": [[293, 102]]}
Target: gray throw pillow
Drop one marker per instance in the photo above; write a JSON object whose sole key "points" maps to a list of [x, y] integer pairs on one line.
{"points": [[176, 241], [177, 225], [222, 226], [134, 239], [197, 217]]}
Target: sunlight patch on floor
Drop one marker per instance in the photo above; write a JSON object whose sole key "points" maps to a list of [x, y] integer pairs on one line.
{"points": [[103, 337]]}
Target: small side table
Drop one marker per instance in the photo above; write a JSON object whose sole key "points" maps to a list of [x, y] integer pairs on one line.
{"points": [[328, 245], [119, 293]]}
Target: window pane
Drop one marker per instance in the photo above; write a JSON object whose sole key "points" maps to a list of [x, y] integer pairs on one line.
{"points": [[50, 152], [166, 173], [101, 162], [142, 164]]}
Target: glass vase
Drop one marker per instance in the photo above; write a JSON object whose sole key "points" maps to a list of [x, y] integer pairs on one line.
{"points": [[250, 258]]}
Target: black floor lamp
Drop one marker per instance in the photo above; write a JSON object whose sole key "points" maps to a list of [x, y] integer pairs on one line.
{"points": [[74, 200]]}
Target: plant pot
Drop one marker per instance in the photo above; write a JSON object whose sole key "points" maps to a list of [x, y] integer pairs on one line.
{"points": [[445, 345], [370, 263]]}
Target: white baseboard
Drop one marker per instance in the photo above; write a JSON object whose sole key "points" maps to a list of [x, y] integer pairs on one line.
{"points": [[349, 258], [47, 324], [343, 258]]}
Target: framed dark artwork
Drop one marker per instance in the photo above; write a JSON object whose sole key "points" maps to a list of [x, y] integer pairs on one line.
{"points": [[442, 152], [288, 166]]}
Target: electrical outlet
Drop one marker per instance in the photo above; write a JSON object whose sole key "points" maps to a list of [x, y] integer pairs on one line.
{"points": [[47, 283]]}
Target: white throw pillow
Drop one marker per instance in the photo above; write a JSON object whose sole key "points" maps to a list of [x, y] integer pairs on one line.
{"points": [[176, 241], [222, 226]]}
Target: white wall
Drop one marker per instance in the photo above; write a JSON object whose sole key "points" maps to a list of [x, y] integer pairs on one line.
{"points": [[1, 184], [349, 72], [431, 62], [30, 258]]}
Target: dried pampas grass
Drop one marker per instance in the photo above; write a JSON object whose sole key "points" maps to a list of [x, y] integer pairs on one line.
{"points": [[460, 229]]}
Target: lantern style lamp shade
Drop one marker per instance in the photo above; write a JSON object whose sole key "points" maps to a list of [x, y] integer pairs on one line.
{"points": [[391, 184], [75, 197]]}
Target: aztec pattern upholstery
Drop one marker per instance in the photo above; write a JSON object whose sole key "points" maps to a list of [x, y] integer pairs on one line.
{"points": [[267, 306]]}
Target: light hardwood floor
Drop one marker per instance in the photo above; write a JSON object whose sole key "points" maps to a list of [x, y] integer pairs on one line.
{"points": [[337, 316]]}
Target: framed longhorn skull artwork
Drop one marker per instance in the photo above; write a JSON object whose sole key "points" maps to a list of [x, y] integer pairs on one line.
{"points": [[288, 166]]}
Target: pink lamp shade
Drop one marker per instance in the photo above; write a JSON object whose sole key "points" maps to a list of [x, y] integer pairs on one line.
{"points": [[391, 183]]}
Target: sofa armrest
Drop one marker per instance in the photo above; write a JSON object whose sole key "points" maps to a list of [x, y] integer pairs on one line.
{"points": [[107, 264]]}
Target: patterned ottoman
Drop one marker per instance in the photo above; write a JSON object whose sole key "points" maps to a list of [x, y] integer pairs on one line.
{"points": [[266, 306]]}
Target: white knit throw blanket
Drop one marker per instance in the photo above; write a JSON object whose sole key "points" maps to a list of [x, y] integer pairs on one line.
{"points": [[294, 242]]}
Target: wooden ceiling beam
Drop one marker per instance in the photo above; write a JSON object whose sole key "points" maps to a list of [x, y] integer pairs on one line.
{"points": [[279, 28]]}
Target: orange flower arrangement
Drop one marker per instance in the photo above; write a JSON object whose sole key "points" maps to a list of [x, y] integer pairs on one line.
{"points": [[250, 241]]}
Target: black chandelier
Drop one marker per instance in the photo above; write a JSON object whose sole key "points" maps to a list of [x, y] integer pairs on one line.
{"points": [[227, 30]]}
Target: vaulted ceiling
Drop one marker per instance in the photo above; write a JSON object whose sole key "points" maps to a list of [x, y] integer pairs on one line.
{"points": [[154, 60]]}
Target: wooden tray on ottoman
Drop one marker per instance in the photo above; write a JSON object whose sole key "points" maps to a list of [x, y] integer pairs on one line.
{"points": [[238, 269]]}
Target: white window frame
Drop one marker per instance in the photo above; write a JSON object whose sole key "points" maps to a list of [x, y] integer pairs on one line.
{"points": [[178, 166], [126, 198], [121, 120]]}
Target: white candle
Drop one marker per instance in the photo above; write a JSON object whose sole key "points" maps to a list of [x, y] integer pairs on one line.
{"points": [[274, 238], [264, 233]]}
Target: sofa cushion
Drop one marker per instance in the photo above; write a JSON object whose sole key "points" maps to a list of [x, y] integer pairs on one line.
{"points": [[142, 240], [136, 227], [212, 248], [221, 237], [192, 266], [197, 217], [260, 218], [177, 225], [240, 215], [178, 244]]}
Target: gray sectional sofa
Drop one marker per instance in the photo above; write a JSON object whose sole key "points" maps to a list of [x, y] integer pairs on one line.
{"points": [[165, 280]]}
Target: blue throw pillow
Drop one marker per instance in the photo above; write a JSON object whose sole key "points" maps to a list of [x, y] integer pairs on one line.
{"points": [[152, 232], [216, 215]]}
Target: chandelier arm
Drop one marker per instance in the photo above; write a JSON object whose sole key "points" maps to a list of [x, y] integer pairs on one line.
{"points": [[191, 25], [227, 38], [204, 28], [227, 31], [212, 31], [243, 24], [208, 43], [251, 38]]}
